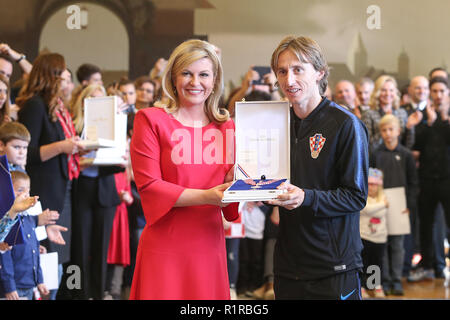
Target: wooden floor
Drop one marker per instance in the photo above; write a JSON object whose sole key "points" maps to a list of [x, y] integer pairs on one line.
{"points": [[424, 290], [413, 291]]}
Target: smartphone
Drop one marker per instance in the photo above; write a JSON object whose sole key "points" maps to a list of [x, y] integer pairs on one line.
{"points": [[262, 71]]}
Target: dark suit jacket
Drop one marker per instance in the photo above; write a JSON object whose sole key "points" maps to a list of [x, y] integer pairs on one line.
{"points": [[107, 192], [49, 178]]}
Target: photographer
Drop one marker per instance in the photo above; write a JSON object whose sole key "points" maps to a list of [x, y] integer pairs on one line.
{"points": [[256, 79]]}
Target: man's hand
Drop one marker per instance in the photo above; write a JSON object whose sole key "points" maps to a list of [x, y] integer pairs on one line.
{"points": [[292, 197], [47, 217], [414, 119], [431, 114], [54, 234], [43, 289], [12, 295]]}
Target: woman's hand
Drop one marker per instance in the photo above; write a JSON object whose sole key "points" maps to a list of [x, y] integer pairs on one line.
{"points": [[230, 175], [86, 163], [292, 197], [214, 195], [71, 146]]}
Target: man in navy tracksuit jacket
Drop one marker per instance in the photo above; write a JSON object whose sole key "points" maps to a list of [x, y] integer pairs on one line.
{"points": [[318, 250]]}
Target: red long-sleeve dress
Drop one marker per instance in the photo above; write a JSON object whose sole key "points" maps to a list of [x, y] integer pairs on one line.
{"points": [[119, 241], [181, 253]]}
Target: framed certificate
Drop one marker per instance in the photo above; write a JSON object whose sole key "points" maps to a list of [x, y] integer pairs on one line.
{"points": [[100, 125], [262, 151], [105, 129]]}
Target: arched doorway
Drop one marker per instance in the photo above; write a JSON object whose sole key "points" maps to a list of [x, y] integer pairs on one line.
{"points": [[104, 42]]}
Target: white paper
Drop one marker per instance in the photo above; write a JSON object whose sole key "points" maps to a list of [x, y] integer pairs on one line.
{"points": [[100, 123], [99, 117], [116, 154], [236, 230], [41, 233], [397, 221], [49, 266], [35, 210]]}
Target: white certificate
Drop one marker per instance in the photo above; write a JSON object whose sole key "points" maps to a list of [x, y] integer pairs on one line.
{"points": [[100, 123], [262, 139], [49, 266], [397, 221]]}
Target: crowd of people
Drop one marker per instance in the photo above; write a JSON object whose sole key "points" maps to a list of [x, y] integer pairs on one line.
{"points": [[151, 228]]}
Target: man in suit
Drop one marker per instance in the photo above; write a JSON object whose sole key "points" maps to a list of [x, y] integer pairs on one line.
{"points": [[418, 91]]}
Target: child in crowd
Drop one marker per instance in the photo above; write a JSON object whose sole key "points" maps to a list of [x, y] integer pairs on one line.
{"points": [[20, 270], [251, 250], [266, 291], [21, 203], [399, 169], [234, 232], [373, 230], [14, 140]]}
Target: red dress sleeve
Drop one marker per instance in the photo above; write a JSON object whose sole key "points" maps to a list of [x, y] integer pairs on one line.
{"points": [[157, 196]]}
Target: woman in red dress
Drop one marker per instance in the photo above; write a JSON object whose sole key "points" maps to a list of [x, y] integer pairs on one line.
{"points": [[182, 156]]}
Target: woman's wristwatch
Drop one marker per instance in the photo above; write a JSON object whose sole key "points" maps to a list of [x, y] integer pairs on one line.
{"points": [[22, 56]]}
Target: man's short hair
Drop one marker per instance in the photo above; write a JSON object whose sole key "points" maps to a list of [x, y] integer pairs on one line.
{"points": [[439, 80], [85, 72], [389, 119], [307, 51], [125, 81], [14, 130], [144, 79], [19, 175], [258, 95], [437, 69], [365, 80]]}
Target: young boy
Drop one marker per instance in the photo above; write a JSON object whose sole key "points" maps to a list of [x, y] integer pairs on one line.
{"points": [[20, 268], [398, 165], [14, 140]]}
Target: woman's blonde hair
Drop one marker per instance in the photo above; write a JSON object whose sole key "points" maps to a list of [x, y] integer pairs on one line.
{"points": [[183, 56], [77, 105], [374, 98]]}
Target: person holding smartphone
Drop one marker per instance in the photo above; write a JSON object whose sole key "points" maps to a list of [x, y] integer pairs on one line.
{"points": [[256, 79]]}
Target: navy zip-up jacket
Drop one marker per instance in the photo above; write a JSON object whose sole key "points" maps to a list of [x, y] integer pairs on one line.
{"points": [[321, 237], [20, 267]]}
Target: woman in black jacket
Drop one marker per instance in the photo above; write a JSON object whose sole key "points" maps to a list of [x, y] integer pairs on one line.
{"points": [[95, 202], [52, 159]]}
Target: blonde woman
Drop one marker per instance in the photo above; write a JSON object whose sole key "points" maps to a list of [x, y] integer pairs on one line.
{"points": [[181, 253], [385, 99], [77, 104], [95, 199]]}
